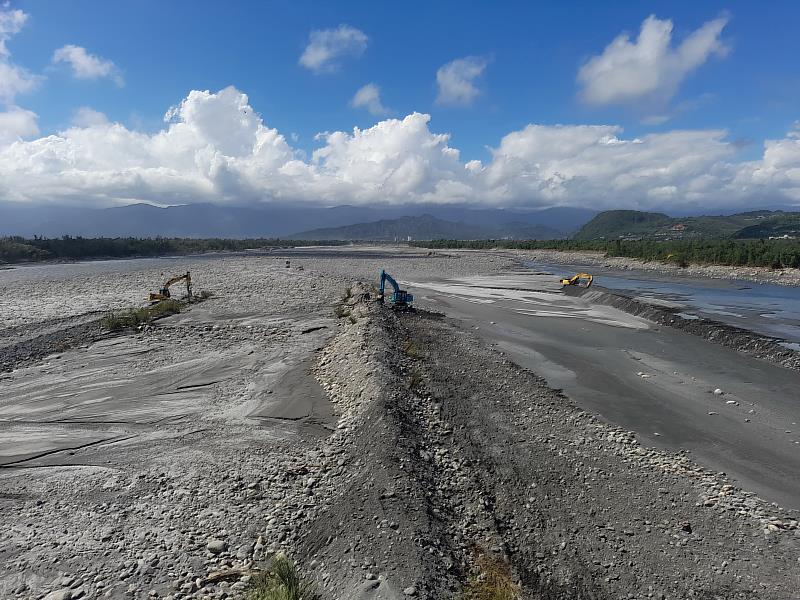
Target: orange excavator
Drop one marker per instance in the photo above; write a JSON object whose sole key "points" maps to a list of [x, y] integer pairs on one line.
{"points": [[164, 293]]}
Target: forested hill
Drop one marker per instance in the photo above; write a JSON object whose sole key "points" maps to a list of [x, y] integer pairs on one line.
{"points": [[634, 224]]}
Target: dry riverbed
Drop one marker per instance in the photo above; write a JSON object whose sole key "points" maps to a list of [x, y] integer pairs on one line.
{"points": [[394, 456]]}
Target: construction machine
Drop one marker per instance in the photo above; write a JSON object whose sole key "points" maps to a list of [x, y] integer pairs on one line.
{"points": [[578, 279], [164, 293], [400, 299]]}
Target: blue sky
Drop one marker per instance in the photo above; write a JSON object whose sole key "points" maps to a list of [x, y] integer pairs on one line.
{"points": [[529, 57]]}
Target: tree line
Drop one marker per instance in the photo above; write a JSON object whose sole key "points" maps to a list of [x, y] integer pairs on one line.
{"points": [[18, 249], [776, 254]]}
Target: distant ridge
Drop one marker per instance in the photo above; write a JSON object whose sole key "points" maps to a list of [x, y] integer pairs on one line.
{"points": [[634, 224], [428, 227], [255, 221]]}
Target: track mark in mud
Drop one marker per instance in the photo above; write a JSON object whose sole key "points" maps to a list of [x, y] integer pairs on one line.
{"points": [[17, 463], [313, 329], [193, 386]]}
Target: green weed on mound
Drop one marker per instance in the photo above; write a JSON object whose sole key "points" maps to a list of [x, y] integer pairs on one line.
{"points": [[136, 317], [281, 582]]}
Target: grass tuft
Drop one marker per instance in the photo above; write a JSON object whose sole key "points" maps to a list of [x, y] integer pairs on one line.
{"points": [[493, 582], [411, 350], [136, 317], [282, 582]]}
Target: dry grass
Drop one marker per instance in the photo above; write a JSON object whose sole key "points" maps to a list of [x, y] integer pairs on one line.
{"points": [[493, 582], [136, 317], [281, 582], [411, 350]]}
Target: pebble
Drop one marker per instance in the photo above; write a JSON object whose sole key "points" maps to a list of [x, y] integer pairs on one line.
{"points": [[216, 546]]}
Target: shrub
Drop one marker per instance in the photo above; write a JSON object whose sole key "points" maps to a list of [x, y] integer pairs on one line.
{"points": [[281, 582]]}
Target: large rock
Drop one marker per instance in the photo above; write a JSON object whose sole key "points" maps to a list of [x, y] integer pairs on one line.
{"points": [[65, 594], [216, 546]]}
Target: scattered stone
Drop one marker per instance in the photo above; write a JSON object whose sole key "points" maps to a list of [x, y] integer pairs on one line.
{"points": [[216, 546]]}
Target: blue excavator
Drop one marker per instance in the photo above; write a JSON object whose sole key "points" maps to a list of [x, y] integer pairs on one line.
{"points": [[400, 299]]}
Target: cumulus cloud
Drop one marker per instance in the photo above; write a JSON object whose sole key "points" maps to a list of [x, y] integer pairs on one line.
{"points": [[369, 97], [648, 69], [17, 123], [11, 22], [326, 47], [215, 148], [14, 79], [456, 80], [88, 117], [86, 66]]}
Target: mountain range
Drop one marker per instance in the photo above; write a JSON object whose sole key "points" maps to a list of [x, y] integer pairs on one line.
{"points": [[428, 227], [210, 220]]}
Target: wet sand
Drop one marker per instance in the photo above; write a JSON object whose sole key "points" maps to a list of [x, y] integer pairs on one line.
{"points": [[653, 380]]}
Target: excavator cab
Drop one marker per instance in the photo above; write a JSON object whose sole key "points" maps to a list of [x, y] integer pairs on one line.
{"points": [[584, 279], [400, 299]]}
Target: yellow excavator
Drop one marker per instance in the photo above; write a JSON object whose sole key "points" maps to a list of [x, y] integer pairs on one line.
{"points": [[578, 279], [164, 294]]}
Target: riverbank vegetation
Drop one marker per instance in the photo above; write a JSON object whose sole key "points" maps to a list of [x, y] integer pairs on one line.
{"points": [[776, 254], [18, 249]]}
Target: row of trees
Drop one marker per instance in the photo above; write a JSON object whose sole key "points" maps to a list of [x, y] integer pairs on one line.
{"points": [[775, 254], [18, 249]]}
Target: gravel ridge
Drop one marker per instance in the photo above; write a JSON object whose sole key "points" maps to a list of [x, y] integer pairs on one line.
{"points": [[454, 453]]}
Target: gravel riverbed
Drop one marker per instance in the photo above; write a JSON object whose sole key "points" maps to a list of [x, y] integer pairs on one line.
{"points": [[393, 456]]}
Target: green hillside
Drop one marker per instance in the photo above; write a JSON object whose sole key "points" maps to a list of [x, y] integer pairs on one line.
{"points": [[783, 225], [613, 224], [633, 225]]}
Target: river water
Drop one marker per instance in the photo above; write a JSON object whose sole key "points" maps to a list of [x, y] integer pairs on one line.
{"points": [[771, 310]]}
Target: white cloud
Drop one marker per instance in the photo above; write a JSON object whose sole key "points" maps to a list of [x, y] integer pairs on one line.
{"points": [[14, 79], [17, 123], [327, 47], [369, 97], [11, 22], [456, 80], [88, 117], [216, 148], [649, 69], [85, 65]]}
